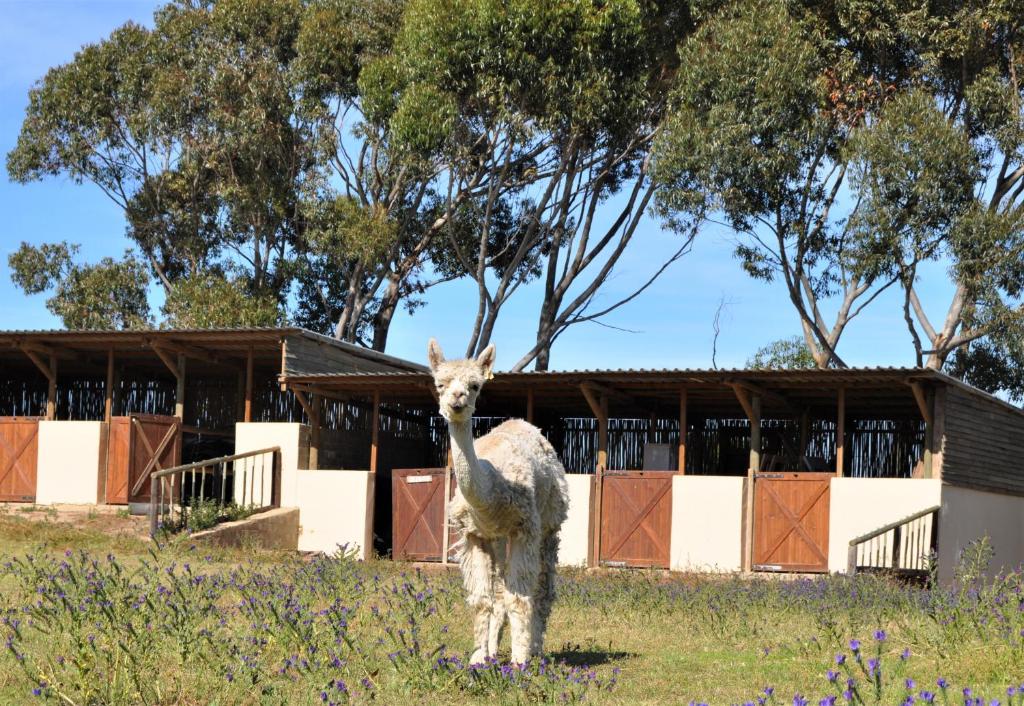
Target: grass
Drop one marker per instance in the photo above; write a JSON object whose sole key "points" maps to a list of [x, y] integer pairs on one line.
{"points": [[93, 619]]}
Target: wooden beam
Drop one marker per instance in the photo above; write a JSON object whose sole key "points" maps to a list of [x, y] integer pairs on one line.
{"points": [[108, 390], [610, 393], [179, 392], [682, 431], [744, 397], [840, 432], [529, 405], [248, 384], [763, 393], [39, 362], [189, 351], [938, 431], [921, 397], [169, 362], [375, 434]]}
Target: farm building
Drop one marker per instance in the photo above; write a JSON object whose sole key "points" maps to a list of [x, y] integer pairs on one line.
{"points": [[776, 471]]}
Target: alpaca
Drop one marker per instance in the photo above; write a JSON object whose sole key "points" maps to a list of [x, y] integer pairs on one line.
{"points": [[511, 501]]}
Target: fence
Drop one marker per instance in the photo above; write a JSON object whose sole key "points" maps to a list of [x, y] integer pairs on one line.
{"points": [[249, 481], [906, 546]]}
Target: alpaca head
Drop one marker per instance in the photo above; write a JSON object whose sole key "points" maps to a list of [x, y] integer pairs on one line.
{"points": [[458, 382]]}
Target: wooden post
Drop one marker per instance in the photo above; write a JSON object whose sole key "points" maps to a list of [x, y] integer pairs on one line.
{"points": [[841, 433], [240, 397], [938, 430], [754, 414], [925, 403], [315, 414], [51, 390], [529, 405], [108, 390], [599, 408], [375, 431], [248, 385], [179, 394], [682, 432]]}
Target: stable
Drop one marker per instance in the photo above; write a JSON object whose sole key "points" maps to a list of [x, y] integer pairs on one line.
{"points": [[716, 470]]}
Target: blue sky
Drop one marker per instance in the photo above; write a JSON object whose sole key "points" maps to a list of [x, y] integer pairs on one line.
{"points": [[672, 319]]}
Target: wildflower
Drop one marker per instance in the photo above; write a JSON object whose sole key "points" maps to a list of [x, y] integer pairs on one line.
{"points": [[840, 659], [905, 655], [880, 635], [799, 700], [942, 683], [855, 645], [928, 697], [848, 695], [828, 701], [831, 676], [874, 667], [769, 690], [909, 683]]}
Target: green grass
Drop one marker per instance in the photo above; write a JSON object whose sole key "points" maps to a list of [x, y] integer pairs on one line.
{"points": [[191, 625]]}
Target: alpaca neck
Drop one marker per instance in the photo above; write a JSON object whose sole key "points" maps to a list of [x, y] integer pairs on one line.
{"points": [[475, 482]]}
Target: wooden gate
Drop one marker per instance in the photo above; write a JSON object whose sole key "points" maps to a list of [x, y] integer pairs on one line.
{"points": [[19, 453], [791, 521], [417, 513], [636, 518], [137, 446]]}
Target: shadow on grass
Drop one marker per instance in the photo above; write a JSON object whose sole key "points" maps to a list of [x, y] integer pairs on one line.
{"points": [[589, 656]]}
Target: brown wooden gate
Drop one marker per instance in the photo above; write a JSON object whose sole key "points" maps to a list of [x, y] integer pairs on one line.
{"points": [[137, 446], [636, 518], [791, 515], [417, 513], [19, 454]]}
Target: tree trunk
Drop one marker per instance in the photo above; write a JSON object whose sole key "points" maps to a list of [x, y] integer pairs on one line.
{"points": [[385, 314]]}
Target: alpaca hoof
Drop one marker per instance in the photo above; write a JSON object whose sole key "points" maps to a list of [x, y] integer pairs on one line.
{"points": [[479, 656], [520, 658]]}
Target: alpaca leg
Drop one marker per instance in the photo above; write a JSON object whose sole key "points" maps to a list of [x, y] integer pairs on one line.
{"points": [[477, 563], [520, 585], [498, 613], [544, 597]]}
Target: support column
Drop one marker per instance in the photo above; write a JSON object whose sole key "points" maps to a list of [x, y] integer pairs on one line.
{"points": [[248, 385], [375, 431], [599, 407], [751, 404], [925, 401], [51, 390], [841, 433], [681, 469], [108, 390], [315, 420], [529, 405], [179, 394]]}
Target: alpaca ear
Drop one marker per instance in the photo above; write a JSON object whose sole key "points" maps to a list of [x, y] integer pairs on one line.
{"points": [[434, 355], [486, 361]]}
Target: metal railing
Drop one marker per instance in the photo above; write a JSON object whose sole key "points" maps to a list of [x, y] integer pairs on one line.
{"points": [[250, 481], [904, 546]]}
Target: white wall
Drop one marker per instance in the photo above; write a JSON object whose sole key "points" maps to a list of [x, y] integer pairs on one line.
{"points": [[575, 535], [860, 505], [332, 509], [294, 442], [70, 456], [707, 523], [968, 515]]}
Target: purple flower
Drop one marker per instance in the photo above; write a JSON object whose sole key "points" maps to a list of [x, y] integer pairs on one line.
{"points": [[769, 690], [909, 683], [874, 666], [828, 701], [942, 683], [905, 655], [880, 635], [840, 659], [831, 676], [848, 695], [799, 700], [855, 645], [928, 697]]}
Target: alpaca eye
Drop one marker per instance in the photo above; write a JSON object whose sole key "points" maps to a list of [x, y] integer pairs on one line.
{"points": [[474, 387]]}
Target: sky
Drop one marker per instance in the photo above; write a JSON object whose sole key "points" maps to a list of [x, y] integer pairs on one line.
{"points": [[670, 325]]}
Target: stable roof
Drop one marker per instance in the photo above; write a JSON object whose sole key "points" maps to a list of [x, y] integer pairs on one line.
{"points": [[870, 392]]}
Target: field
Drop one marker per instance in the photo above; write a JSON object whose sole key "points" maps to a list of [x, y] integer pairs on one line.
{"points": [[93, 617]]}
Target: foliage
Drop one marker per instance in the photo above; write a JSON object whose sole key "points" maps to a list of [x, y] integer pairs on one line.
{"points": [[206, 513], [108, 295], [209, 300], [786, 353], [850, 144]]}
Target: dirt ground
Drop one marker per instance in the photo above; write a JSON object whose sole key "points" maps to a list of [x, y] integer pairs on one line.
{"points": [[108, 519]]}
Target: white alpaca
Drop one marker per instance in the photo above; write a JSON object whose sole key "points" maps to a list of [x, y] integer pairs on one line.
{"points": [[511, 502]]}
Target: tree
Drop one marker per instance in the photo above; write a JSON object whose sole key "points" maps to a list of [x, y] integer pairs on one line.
{"points": [[108, 295], [849, 149], [785, 353], [561, 102]]}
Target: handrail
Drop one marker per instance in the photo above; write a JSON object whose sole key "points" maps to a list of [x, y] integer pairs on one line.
{"points": [[212, 461], [882, 548], [176, 496], [893, 525]]}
